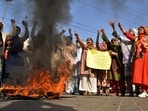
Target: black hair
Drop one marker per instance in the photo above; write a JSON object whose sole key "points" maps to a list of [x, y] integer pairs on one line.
{"points": [[69, 37], [89, 39], [18, 28], [113, 39]]}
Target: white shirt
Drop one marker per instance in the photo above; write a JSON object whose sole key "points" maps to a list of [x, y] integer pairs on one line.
{"points": [[126, 46]]}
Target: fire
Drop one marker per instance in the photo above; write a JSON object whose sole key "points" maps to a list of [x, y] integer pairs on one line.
{"points": [[40, 84]]}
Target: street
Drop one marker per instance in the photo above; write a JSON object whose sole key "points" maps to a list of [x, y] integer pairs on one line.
{"points": [[76, 103]]}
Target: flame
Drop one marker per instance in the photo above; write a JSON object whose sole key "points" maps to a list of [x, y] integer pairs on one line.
{"points": [[40, 84]]}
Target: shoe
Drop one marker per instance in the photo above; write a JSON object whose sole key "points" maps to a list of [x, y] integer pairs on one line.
{"points": [[72, 92], [114, 94], [143, 95], [67, 91]]}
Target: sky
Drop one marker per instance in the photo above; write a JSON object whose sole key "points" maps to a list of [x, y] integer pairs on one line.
{"points": [[82, 16], [87, 16]]}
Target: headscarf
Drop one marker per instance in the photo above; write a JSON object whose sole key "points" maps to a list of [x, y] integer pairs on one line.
{"points": [[135, 31], [142, 38]]}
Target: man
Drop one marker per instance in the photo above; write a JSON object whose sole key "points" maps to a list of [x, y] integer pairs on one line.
{"points": [[16, 56], [3, 37], [70, 54]]}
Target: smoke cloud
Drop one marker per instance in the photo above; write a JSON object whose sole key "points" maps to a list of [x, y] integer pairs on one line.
{"points": [[47, 44], [49, 13]]}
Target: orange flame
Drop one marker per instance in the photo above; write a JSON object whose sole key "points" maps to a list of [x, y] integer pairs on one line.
{"points": [[40, 84]]}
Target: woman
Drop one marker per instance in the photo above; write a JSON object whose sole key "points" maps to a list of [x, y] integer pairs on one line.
{"points": [[88, 81], [102, 76], [117, 68], [127, 50], [140, 60]]}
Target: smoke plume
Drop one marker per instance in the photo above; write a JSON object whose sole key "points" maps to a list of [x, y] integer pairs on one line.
{"points": [[47, 44]]}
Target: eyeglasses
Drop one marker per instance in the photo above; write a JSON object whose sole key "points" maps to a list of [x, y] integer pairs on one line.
{"points": [[113, 40]]}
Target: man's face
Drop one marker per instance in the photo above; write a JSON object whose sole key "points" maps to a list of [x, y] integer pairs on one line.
{"points": [[68, 41], [17, 30]]}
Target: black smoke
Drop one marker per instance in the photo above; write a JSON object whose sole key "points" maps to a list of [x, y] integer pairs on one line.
{"points": [[46, 42]]}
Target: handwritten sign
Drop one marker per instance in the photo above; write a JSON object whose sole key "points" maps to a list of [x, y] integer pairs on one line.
{"points": [[98, 59]]}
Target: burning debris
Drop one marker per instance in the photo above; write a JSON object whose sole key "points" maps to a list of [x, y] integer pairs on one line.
{"points": [[39, 85], [48, 72]]}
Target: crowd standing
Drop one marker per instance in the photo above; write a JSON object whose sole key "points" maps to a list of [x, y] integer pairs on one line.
{"points": [[128, 53], [4, 38]]}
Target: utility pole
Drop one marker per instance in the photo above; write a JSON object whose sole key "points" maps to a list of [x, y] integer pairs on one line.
{"points": [[5, 8]]}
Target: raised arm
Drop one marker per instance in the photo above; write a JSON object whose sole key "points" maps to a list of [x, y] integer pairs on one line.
{"points": [[26, 34], [112, 24], [104, 37], [127, 34], [121, 28], [70, 32], [97, 40], [115, 34], [13, 32], [80, 41]]}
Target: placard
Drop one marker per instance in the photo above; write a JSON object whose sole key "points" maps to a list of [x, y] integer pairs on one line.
{"points": [[98, 59]]}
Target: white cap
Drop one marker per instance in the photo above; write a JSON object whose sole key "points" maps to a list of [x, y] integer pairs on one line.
{"points": [[135, 31]]}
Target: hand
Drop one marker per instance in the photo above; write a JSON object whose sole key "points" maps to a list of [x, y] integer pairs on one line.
{"points": [[69, 30], [114, 53], [121, 28], [24, 23], [12, 21], [63, 31], [102, 30], [76, 34], [111, 23], [91, 75], [120, 25]]}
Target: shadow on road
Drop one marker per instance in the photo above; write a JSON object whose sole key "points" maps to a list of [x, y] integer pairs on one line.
{"points": [[32, 105]]}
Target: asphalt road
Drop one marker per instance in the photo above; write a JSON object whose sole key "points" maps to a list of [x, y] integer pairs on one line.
{"points": [[76, 103]]}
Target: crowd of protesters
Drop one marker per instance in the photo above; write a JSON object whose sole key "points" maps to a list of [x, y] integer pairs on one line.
{"points": [[128, 72], [127, 75]]}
